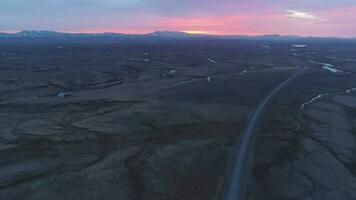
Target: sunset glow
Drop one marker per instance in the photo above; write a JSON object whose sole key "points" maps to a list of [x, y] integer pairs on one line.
{"points": [[228, 17], [198, 32]]}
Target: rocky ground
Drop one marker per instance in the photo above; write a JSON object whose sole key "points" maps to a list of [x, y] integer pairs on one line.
{"points": [[116, 120], [307, 143], [322, 163], [157, 119]]}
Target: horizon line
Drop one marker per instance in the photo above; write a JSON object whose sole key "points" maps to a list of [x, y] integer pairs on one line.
{"points": [[197, 33]]}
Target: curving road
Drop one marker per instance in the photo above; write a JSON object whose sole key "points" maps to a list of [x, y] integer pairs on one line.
{"points": [[237, 179]]}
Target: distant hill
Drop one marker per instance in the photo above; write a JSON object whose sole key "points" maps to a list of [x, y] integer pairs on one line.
{"points": [[50, 34], [157, 35], [170, 34], [40, 34]]}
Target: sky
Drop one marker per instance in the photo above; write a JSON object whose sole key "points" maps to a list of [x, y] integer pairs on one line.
{"points": [[227, 17]]}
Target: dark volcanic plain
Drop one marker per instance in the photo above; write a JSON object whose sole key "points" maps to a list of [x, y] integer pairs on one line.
{"points": [[156, 119]]}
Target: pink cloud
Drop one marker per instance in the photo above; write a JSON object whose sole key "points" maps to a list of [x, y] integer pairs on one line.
{"points": [[251, 17]]}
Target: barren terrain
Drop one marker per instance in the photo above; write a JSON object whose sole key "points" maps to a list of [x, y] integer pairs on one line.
{"points": [[107, 119]]}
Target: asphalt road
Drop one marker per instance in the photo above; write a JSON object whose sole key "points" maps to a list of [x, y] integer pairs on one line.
{"points": [[236, 183]]}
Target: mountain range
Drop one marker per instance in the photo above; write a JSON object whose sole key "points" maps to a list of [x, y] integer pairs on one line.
{"points": [[157, 34]]}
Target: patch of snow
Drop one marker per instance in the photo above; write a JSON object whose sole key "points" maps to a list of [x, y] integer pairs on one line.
{"points": [[243, 72], [63, 94], [319, 96], [212, 61], [327, 64], [312, 62], [169, 74], [299, 45], [333, 70], [350, 90], [172, 71], [266, 46], [311, 101], [184, 82]]}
